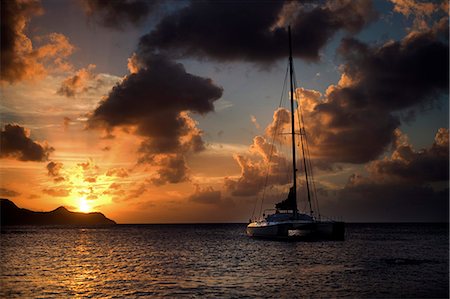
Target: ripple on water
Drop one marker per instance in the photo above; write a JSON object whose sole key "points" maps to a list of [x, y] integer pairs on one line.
{"points": [[220, 261]]}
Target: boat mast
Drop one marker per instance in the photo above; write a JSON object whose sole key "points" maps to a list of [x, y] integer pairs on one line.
{"points": [[294, 167]]}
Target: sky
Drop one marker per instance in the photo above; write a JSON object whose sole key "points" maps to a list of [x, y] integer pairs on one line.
{"points": [[165, 111]]}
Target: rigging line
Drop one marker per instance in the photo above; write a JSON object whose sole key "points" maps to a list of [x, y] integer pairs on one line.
{"points": [[273, 143], [308, 154], [305, 163], [312, 176], [271, 148]]}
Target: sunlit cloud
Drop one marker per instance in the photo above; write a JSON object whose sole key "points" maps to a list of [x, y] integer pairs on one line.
{"points": [[20, 59]]}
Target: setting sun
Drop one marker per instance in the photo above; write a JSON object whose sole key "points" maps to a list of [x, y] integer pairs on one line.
{"points": [[83, 206]]}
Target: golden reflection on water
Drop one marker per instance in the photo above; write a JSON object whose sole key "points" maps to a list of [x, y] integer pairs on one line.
{"points": [[219, 261]]}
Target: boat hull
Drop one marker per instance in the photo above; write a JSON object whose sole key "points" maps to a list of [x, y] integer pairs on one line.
{"points": [[321, 230]]}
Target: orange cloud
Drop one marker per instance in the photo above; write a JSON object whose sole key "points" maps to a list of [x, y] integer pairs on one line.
{"points": [[264, 165], [19, 60], [118, 172], [84, 80], [420, 11], [57, 192]]}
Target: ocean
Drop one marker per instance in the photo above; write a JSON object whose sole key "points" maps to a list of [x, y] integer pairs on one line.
{"points": [[220, 261]]}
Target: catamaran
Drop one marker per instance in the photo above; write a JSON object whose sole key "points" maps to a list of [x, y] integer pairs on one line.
{"points": [[287, 222]]}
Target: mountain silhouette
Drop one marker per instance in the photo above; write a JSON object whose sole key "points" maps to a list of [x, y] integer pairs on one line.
{"points": [[13, 215]]}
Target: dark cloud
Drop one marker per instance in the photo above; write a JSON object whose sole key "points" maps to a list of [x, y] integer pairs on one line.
{"points": [[8, 192], [116, 14], [54, 169], [206, 195], [155, 101], [255, 30], [427, 165], [19, 60], [16, 143], [14, 17], [171, 169], [356, 120], [408, 186], [388, 202], [397, 75]]}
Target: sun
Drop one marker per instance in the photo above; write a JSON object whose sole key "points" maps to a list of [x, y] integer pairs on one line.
{"points": [[83, 205]]}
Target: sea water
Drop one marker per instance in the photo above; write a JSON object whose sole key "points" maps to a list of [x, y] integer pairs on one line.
{"points": [[220, 261]]}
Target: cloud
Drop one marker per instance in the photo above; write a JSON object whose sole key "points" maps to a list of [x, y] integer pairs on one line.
{"points": [[116, 14], [88, 166], [206, 195], [84, 80], [390, 202], [8, 192], [16, 143], [114, 186], [135, 193], [250, 181], [427, 165], [407, 186], [116, 190], [172, 169], [118, 172], [54, 169], [155, 103], [19, 60], [420, 11], [355, 121], [250, 30], [57, 192], [254, 121], [281, 122], [397, 75], [90, 179], [263, 167], [66, 123]]}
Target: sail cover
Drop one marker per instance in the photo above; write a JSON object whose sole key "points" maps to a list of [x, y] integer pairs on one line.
{"points": [[288, 203]]}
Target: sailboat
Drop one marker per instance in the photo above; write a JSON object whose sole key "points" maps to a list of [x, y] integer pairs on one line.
{"points": [[287, 222]]}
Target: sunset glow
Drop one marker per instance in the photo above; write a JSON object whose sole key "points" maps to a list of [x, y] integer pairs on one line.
{"points": [[83, 205], [146, 117]]}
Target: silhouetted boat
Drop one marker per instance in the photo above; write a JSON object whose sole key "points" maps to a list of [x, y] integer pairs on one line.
{"points": [[287, 222]]}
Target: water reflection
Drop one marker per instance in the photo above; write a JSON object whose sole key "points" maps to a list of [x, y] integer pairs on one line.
{"points": [[220, 261]]}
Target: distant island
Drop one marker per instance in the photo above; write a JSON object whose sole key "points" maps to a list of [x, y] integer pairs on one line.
{"points": [[13, 215]]}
